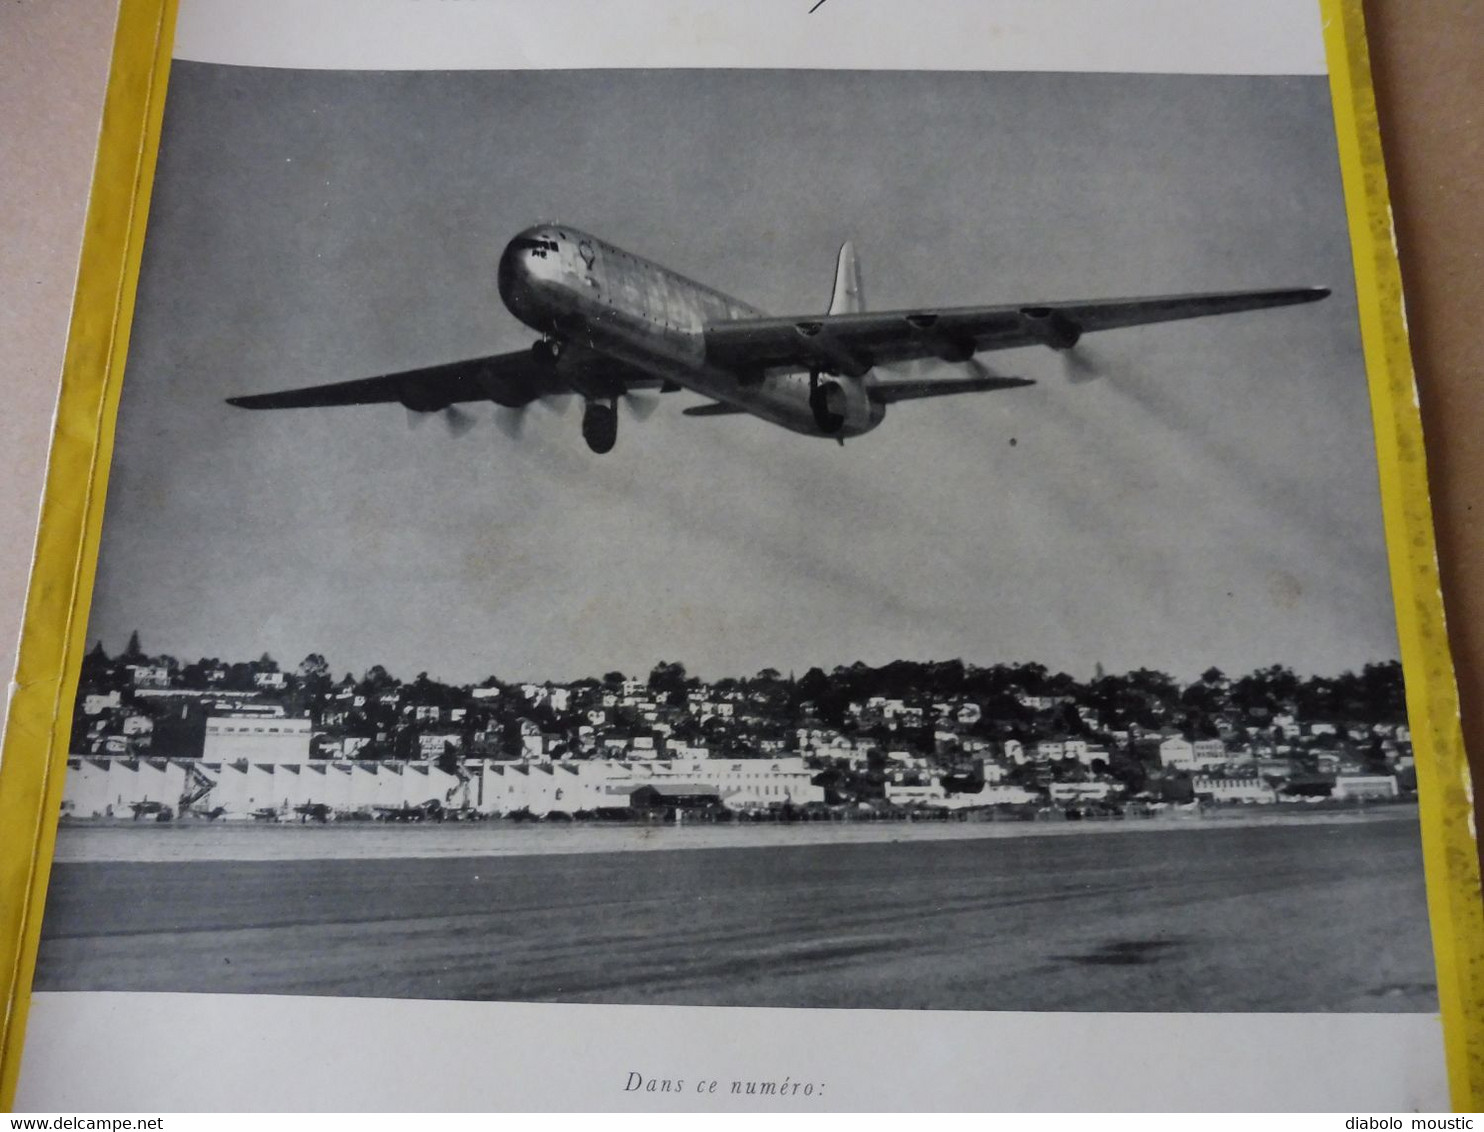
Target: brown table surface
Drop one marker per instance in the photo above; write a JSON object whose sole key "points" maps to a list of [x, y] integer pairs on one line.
{"points": [[1429, 79], [1429, 74]]}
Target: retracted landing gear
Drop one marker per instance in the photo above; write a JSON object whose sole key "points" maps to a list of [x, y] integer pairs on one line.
{"points": [[600, 426]]}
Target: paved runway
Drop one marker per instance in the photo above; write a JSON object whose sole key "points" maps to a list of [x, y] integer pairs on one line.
{"points": [[1315, 917]]}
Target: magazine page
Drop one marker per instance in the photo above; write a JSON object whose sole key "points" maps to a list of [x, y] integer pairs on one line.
{"points": [[799, 557]]}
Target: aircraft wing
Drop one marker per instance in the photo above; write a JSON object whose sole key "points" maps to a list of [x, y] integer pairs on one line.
{"points": [[513, 380], [510, 379], [853, 343]]}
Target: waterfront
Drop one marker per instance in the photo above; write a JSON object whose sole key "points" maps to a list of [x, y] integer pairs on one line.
{"points": [[144, 841], [1322, 914]]}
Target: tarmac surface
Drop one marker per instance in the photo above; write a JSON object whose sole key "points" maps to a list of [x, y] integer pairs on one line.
{"points": [[1301, 917]]}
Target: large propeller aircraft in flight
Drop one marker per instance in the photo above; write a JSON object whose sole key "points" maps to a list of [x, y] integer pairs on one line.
{"points": [[612, 322]]}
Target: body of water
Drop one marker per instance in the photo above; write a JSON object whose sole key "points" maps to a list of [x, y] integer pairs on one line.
{"points": [[1314, 915]]}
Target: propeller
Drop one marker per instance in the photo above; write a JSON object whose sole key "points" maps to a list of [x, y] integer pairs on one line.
{"points": [[457, 421], [1081, 364], [911, 370], [978, 368], [510, 421], [557, 403], [640, 407]]}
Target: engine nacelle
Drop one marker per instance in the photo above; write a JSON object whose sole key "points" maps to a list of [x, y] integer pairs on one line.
{"points": [[1051, 327], [953, 349], [829, 403], [600, 426], [419, 400], [844, 408]]}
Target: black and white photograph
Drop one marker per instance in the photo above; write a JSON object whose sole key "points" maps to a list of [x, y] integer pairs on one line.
{"points": [[745, 538]]}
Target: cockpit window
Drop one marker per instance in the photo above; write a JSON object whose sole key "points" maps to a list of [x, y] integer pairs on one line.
{"points": [[538, 248]]}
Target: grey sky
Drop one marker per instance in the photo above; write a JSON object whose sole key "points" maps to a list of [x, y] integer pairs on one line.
{"points": [[1210, 499]]}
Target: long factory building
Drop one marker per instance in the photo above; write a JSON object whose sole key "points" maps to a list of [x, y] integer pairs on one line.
{"points": [[242, 790]]}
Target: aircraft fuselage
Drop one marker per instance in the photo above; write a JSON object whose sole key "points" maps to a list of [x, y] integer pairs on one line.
{"points": [[576, 289]]}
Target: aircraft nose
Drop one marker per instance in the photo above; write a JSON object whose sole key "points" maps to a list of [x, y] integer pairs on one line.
{"points": [[510, 271]]}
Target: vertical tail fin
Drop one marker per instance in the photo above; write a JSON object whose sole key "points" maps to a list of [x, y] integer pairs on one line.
{"points": [[847, 297]]}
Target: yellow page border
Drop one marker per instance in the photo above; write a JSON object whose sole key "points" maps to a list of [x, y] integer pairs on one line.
{"points": [[72, 513], [64, 566]]}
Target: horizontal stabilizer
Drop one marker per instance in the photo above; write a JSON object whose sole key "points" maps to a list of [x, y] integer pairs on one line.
{"points": [[715, 409], [889, 392]]}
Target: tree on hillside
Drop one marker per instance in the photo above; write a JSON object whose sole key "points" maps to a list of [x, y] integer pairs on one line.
{"points": [[197, 676], [314, 675], [668, 677], [314, 666], [239, 678], [1384, 692], [1270, 689], [1208, 694], [430, 693], [768, 676], [377, 679], [95, 665], [830, 697]]}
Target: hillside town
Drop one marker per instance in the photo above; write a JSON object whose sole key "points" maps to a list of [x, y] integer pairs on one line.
{"points": [[156, 738]]}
